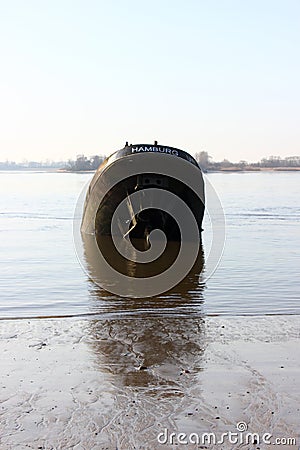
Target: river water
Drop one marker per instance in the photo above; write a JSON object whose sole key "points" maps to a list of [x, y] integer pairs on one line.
{"points": [[40, 274]]}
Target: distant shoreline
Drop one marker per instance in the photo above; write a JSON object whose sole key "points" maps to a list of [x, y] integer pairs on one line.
{"points": [[221, 170], [254, 169]]}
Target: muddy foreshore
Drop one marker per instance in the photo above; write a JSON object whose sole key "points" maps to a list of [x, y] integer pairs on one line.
{"points": [[120, 383]]}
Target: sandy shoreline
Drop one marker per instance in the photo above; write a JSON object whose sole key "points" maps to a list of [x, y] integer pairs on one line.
{"points": [[118, 383]]}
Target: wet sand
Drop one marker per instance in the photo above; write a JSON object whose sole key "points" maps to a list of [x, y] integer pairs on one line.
{"points": [[117, 383]]}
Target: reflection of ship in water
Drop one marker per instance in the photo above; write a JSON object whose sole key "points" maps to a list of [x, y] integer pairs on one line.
{"points": [[156, 341], [106, 266], [188, 292]]}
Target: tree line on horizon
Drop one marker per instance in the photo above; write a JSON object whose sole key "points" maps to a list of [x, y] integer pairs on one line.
{"points": [[83, 163], [205, 161]]}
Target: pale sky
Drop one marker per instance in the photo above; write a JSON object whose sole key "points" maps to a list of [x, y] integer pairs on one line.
{"points": [[86, 76]]}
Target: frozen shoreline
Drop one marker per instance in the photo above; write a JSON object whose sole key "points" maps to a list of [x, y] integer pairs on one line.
{"points": [[117, 383]]}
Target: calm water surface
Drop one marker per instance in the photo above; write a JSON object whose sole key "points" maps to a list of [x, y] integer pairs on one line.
{"points": [[258, 273]]}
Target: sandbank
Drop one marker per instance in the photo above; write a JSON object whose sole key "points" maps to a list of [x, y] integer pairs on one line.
{"points": [[116, 383]]}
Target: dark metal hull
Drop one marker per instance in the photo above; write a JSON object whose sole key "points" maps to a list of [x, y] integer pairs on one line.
{"points": [[97, 218]]}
